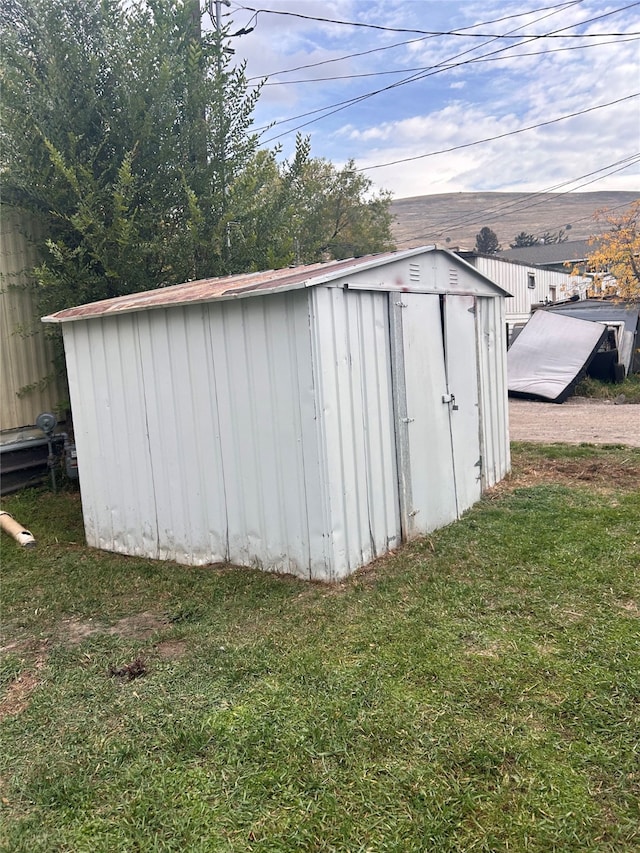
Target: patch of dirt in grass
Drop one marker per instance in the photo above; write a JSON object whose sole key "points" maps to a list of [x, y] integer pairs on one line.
{"points": [[491, 651], [629, 608], [603, 474], [74, 631], [171, 649], [545, 649], [16, 699], [139, 626]]}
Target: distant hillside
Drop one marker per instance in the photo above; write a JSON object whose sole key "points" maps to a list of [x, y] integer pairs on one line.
{"points": [[454, 219]]}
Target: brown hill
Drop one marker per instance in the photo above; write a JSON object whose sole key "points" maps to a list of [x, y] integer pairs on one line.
{"points": [[454, 219]]}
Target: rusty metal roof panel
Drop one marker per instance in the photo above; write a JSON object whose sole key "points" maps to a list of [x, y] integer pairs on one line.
{"points": [[233, 286]]}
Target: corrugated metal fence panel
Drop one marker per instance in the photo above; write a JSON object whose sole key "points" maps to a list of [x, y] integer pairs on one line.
{"points": [[190, 434], [26, 354], [353, 374], [494, 414]]}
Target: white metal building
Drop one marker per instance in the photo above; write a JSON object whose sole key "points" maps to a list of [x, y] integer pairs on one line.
{"points": [[304, 420], [528, 284]]}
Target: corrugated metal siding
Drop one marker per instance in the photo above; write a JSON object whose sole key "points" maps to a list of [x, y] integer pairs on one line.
{"points": [[515, 278], [26, 354], [196, 434], [262, 431], [351, 351], [494, 415]]}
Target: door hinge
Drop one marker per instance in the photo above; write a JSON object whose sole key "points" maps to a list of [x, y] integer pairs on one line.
{"points": [[407, 420], [413, 512], [401, 304]]}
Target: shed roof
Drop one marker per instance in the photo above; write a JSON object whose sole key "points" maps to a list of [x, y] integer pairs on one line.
{"points": [[543, 254], [248, 284], [600, 311]]}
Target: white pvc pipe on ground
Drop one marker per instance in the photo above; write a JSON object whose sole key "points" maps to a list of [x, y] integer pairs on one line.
{"points": [[13, 528]]}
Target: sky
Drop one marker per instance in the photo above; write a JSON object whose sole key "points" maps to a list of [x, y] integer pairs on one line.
{"points": [[554, 67]]}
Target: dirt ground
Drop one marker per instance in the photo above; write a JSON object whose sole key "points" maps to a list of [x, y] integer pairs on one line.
{"points": [[578, 420]]}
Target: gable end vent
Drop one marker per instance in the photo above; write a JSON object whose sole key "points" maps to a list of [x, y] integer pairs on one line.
{"points": [[414, 272], [453, 276]]}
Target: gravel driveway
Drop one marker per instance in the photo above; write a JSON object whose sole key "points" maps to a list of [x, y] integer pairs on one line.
{"points": [[578, 420]]}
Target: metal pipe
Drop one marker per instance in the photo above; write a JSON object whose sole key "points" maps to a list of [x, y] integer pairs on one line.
{"points": [[13, 528], [28, 443]]}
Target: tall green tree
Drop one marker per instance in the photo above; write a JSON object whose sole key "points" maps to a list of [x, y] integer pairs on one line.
{"points": [[128, 133], [487, 241], [114, 119]]}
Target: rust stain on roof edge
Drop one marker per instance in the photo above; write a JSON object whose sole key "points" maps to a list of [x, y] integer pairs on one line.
{"points": [[238, 286], [205, 290]]}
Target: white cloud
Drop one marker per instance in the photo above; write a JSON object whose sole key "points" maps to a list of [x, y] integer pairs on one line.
{"points": [[454, 107]]}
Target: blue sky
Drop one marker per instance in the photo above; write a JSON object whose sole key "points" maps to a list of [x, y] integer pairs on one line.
{"points": [[496, 87]]}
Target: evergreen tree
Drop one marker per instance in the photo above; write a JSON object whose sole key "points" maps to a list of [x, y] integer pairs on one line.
{"points": [[553, 237], [523, 239], [487, 242]]}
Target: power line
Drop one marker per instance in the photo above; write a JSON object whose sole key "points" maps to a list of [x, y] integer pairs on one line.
{"points": [[457, 65], [459, 32], [499, 135], [525, 202], [559, 7], [338, 58], [341, 105], [522, 204]]}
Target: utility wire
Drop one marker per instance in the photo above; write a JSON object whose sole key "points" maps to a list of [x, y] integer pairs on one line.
{"points": [[427, 67], [526, 201], [500, 135], [559, 7], [341, 105], [460, 33], [522, 204], [338, 59]]}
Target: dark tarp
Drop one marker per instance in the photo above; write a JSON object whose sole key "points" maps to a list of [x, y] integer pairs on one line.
{"points": [[550, 356]]}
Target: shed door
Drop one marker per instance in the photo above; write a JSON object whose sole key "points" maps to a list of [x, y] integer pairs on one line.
{"points": [[436, 400]]}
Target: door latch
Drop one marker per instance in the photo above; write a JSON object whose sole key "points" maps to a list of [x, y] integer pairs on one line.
{"points": [[451, 399]]}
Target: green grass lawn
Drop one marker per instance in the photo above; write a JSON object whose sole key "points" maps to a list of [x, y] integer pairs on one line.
{"points": [[478, 690]]}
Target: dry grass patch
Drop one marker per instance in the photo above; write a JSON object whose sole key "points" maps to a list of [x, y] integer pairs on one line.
{"points": [[582, 465]]}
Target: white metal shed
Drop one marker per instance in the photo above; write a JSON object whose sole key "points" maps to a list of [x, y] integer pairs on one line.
{"points": [[304, 420]]}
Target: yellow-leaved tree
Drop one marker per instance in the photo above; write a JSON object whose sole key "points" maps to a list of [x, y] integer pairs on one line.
{"points": [[616, 252]]}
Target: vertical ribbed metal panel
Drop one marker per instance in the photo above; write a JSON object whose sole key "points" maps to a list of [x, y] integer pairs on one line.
{"points": [[262, 364], [351, 350], [107, 392], [515, 279], [494, 413], [196, 434], [462, 379], [26, 354], [424, 429]]}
